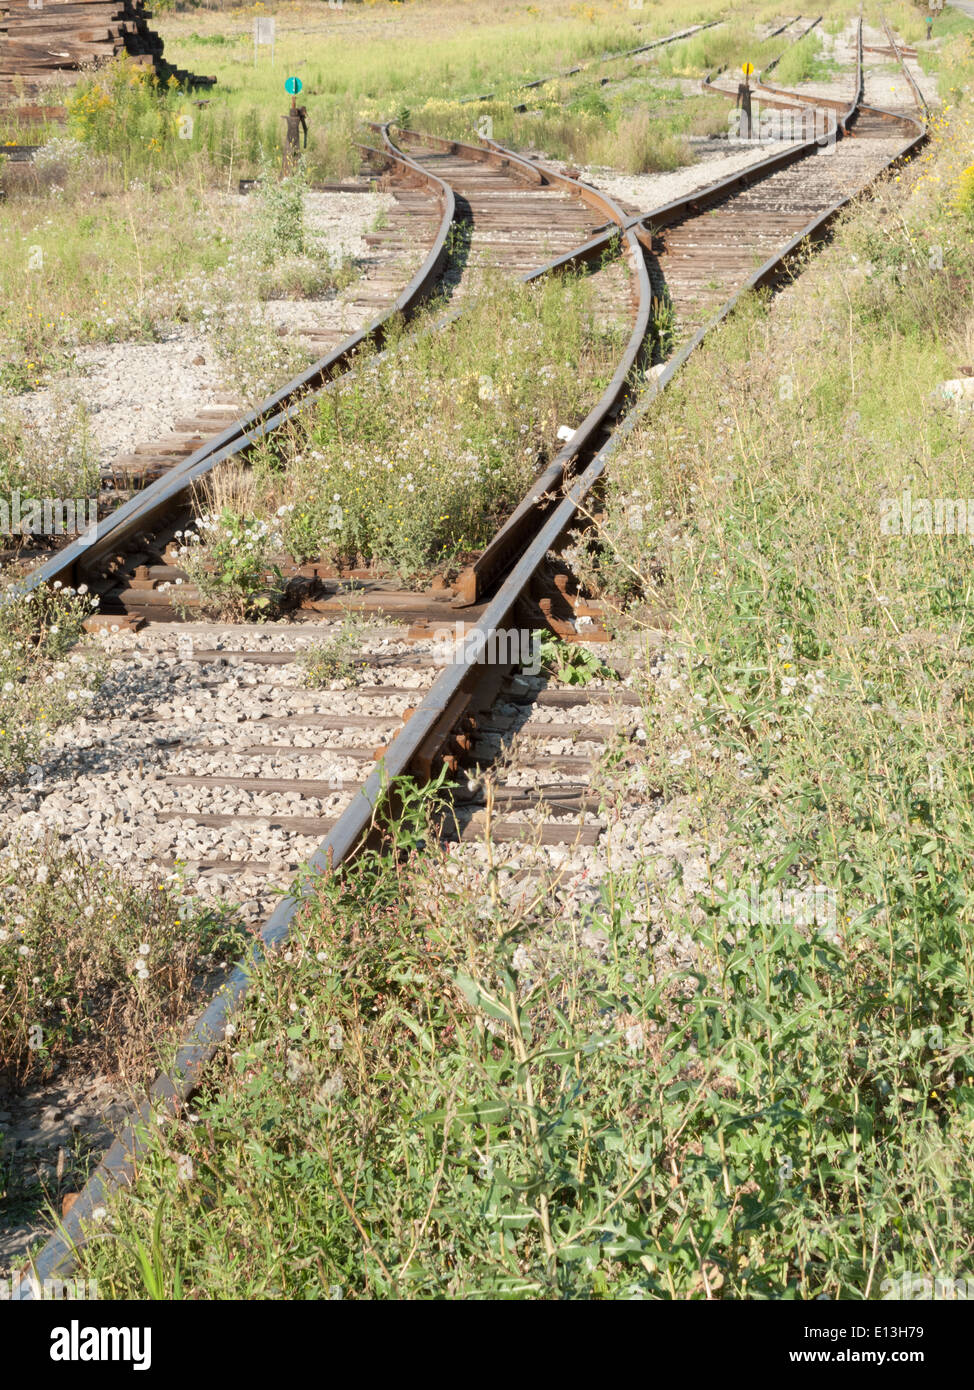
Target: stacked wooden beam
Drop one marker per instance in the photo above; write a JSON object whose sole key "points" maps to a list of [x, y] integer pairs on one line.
{"points": [[43, 41]]}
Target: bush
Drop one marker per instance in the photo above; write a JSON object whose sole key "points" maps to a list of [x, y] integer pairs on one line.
{"points": [[228, 559], [41, 685], [92, 967], [278, 228]]}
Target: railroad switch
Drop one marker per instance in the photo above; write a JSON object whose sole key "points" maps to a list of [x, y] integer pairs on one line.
{"points": [[297, 121]]}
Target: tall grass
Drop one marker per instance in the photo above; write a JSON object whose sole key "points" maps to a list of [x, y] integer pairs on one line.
{"points": [[803, 62], [431, 1094]]}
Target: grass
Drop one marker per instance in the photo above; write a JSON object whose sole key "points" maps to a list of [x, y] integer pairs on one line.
{"points": [[43, 683], [414, 460], [102, 256], [429, 1095], [908, 21], [94, 971], [803, 62], [431, 59], [95, 258]]}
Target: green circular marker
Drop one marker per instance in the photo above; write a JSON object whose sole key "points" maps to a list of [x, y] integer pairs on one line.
{"points": [[293, 85]]}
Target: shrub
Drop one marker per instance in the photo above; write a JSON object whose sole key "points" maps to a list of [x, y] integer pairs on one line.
{"points": [[228, 559], [93, 967], [41, 685]]}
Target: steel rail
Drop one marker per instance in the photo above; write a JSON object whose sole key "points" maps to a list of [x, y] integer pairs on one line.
{"points": [[498, 157], [511, 536], [145, 507], [170, 1091], [918, 96], [431, 722], [154, 501]]}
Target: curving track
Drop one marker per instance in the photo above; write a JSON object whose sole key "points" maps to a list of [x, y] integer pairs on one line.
{"points": [[776, 208]]}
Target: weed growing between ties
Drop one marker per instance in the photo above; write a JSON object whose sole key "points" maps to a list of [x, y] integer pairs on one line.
{"points": [[414, 459], [337, 660], [230, 560]]}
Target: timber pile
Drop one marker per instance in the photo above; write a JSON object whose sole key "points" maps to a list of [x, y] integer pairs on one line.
{"points": [[42, 41]]}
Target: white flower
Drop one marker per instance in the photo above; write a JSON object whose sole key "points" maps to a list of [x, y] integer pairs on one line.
{"points": [[521, 960], [144, 949]]}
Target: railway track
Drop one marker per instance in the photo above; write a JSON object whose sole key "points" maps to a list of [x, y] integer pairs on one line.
{"points": [[625, 53], [697, 260], [236, 740], [132, 566], [515, 218], [901, 53], [791, 32]]}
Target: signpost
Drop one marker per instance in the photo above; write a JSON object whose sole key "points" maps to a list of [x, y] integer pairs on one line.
{"points": [[297, 120], [264, 33], [744, 100]]}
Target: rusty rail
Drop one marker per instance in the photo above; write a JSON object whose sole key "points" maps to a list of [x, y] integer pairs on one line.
{"points": [[148, 505], [434, 717], [918, 96], [410, 751]]}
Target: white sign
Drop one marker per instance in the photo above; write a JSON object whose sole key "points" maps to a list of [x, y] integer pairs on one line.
{"points": [[264, 34]]}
